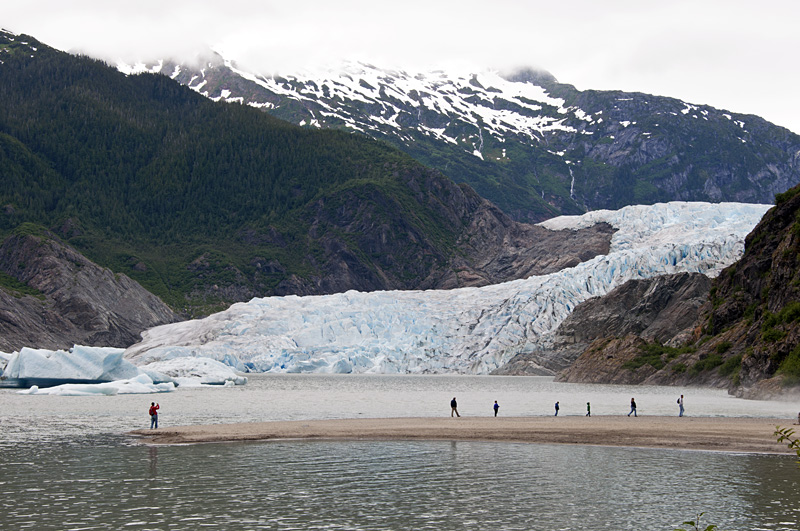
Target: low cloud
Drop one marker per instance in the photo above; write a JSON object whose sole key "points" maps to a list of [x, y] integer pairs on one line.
{"points": [[729, 54]]}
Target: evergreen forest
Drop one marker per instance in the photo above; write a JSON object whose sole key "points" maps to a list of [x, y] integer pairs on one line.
{"points": [[187, 196]]}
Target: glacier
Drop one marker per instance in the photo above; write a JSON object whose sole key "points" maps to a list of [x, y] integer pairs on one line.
{"points": [[466, 330]]}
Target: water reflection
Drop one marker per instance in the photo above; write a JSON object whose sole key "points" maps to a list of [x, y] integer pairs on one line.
{"points": [[58, 471], [392, 485], [153, 461]]}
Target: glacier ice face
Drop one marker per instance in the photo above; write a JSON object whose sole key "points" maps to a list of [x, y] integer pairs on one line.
{"points": [[468, 330]]}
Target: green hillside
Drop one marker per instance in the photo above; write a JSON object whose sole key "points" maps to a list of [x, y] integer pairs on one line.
{"points": [[203, 203], [566, 151]]}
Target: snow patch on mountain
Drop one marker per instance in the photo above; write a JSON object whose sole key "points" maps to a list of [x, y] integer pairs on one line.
{"points": [[486, 100], [469, 330]]}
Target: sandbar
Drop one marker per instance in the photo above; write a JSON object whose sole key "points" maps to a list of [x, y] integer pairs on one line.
{"points": [[753, 435]]}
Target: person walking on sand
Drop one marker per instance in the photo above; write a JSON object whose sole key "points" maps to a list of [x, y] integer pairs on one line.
{"points": [[680, 406], [633, 408], [556, 410], [454, 407], [496, 407], [154, 415], [588, 409]]}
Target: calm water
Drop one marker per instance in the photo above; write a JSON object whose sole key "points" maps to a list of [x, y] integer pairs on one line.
{"points": [[65, 463]]}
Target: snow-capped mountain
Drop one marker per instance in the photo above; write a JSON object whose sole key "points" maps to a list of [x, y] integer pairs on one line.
{"points": [[534, 146], [468, 330]]}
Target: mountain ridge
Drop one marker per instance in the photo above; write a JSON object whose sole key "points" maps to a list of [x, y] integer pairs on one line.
{"points": [[206, 204], [535, 147]]}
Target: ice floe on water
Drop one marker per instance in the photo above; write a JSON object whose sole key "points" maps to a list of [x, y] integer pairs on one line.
{"points": [[101, 364], [193, 372], [141, 384], [83, 370], [468, 330]]}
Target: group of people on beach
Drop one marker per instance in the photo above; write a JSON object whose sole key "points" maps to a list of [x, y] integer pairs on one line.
{"points": [[454, 410], [496, 408]]}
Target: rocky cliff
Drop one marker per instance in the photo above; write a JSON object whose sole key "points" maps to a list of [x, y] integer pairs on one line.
{"points": [[746, 336], [370, 243], [53, 297], [657, 309]]}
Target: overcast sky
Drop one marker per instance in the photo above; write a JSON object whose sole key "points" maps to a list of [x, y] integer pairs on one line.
{"points": [[731, 54]]}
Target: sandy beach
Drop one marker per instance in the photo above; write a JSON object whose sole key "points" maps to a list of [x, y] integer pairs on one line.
{"points": [[719, 434]]}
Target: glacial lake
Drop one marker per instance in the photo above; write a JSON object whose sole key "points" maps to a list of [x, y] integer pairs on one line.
{"points": [[66, 463]]}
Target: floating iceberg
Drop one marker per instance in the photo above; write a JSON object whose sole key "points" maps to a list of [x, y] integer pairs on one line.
{"points": [[85, 370], [193, 372], [141, 384], [469, 330], [80, 364]]}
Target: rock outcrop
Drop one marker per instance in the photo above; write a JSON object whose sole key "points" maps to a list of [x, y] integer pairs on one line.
{"points": [[745, 336], [659, 309], [69, 300], [495, 249], [371, 243]]}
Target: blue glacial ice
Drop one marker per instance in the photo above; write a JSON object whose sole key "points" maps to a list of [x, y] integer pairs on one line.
{"points": [[467, 330], [82, 371]]}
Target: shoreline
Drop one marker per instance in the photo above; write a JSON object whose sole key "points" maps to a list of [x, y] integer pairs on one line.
{"points": [[727, 434]]}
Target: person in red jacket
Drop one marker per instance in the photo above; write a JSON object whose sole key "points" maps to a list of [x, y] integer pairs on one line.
{"points": [[154, 415]]}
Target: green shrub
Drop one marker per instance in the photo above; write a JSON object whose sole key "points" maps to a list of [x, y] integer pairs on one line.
{"points": [[790, 367], [17, 288], [706, 364], [750, 312], [773, 335], [653, 360], [789, 313], [679, 368], [787, 195], [723, 347], [732, 365], [655, 355]]}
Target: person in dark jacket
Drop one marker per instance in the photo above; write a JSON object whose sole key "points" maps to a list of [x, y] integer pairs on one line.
{"points": [[633, 408], [454, 407]]}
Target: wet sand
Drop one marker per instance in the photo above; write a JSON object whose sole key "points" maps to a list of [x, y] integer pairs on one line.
{"points": [[720, 434]]}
